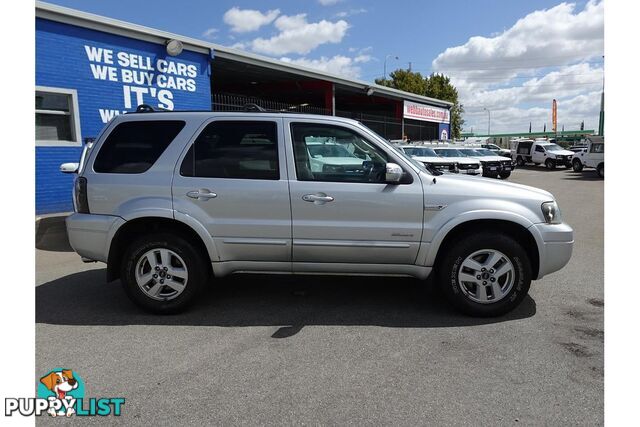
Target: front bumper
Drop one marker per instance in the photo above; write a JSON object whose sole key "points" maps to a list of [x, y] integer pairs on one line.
{"points": [[555, 246], [470, 171], [90, 235]]}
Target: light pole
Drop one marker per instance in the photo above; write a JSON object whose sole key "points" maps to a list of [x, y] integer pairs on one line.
{"points": [[489, 125], [385, 64]]}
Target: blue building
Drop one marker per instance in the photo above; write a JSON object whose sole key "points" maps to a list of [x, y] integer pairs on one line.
{"points": [[90, 68]]}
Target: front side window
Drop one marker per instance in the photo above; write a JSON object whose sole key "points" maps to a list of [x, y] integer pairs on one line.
{"points": [[333, 153], [55, 117], [597, 148], [133, 147], [234, 150], [539, 149]]}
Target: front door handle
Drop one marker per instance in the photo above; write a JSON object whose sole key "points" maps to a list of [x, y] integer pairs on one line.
{"points": [[202, 194], [318, 199]]}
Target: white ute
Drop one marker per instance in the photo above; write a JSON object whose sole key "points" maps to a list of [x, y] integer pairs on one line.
{"points": [[592, 156], [538, 152]]}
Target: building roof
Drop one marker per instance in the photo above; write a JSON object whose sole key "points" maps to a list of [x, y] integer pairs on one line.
{"points": [[531, 134], [115, 26]]}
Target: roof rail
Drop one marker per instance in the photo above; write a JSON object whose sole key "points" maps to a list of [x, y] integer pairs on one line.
{"points": [[144, 108], [255, 108]]}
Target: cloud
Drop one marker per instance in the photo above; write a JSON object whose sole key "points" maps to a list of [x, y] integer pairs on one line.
{"points": [[548, 54], [328, 2], [338, 64], [299, 36], [247, 20], [210, 33], [351, 12], [543, 38]]}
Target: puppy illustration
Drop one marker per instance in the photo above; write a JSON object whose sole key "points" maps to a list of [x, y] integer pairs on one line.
{"points": [[60, 383]]}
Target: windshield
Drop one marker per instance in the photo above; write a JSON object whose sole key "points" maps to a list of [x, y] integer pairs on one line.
{"points": [[420, 151], [485, 152], [553, 147], [471, 152], [449, 152]]}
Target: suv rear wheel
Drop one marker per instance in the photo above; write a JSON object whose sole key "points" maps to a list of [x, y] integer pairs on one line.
{"points": [[162, 273], [485, 274], [505, 175], [520, 161]]}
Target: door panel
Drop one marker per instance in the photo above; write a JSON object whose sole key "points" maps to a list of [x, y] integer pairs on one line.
{"points": [[351, 222], [248, 218]]}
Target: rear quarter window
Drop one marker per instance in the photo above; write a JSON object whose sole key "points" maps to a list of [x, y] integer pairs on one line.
{"points": [[133, 147]]}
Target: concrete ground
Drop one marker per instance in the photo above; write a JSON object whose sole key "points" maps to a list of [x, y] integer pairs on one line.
{"points": [[327, 350]]}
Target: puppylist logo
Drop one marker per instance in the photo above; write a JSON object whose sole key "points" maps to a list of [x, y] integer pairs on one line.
{"points": [[61, 394]]}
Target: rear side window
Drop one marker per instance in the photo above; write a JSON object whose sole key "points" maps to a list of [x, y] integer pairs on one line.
{"points": [[234, 149], [133, 147]]}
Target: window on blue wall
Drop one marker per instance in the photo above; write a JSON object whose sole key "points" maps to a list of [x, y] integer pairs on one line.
{"points": [[56, 118]]}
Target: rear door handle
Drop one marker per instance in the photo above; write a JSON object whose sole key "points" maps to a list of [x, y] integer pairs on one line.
{"points": [[319, 199], [202, 194]]}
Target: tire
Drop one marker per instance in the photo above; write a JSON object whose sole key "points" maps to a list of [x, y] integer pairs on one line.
{"points": [[505, 175], [577, 166], [550, 164], [182, 255], [515, 284], [520, 161], [600, 170]]}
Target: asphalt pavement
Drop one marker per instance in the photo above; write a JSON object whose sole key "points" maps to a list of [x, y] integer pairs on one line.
{"points": [[336, 350]]}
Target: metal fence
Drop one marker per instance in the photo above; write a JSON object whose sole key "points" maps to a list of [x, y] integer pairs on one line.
{"points": [[387, 126], [230, 102]]}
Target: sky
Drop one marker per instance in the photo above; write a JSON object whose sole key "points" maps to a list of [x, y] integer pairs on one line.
{"points": [[508, 58]]}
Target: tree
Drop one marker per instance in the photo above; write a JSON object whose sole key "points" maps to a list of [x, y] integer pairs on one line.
{"points": [[405, 80], [435, 86]]}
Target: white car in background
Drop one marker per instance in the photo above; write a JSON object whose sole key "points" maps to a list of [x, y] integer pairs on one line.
{"points": [[540, 151], [466, 164], [429, 158], [492, 165], [592, 156], [332, 157]]}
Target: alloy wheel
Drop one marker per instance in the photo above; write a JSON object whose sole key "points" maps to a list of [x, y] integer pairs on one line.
{"points": [[486, 276], [161, 274]]}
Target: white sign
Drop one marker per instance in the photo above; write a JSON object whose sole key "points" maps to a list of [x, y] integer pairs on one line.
{"points": [[426, 113]]}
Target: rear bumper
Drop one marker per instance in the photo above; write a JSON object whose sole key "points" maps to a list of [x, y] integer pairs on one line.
{"points": [[555, 245], [90, 235]]}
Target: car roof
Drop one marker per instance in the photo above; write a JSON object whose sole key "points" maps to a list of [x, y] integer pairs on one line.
{"points": [[176, 114]]}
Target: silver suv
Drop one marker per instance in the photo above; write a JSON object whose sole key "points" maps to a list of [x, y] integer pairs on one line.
{"points": [[173, 200]]}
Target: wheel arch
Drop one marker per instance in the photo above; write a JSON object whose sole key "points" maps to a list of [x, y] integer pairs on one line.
{"points": [[137, 227], [516, 229]]}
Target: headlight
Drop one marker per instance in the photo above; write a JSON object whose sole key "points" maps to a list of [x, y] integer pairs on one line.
{"points": [[551, 213]]}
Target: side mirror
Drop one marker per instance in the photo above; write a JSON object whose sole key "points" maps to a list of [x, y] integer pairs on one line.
{"points": [[393, 173], [69, 167]]}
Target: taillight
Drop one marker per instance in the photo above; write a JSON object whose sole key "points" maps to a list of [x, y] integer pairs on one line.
{"points": [[82, 202]]}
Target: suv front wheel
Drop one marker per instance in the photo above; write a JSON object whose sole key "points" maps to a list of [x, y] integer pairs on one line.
{"points": [[577, 165], [485, 274], [162, 273]]}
